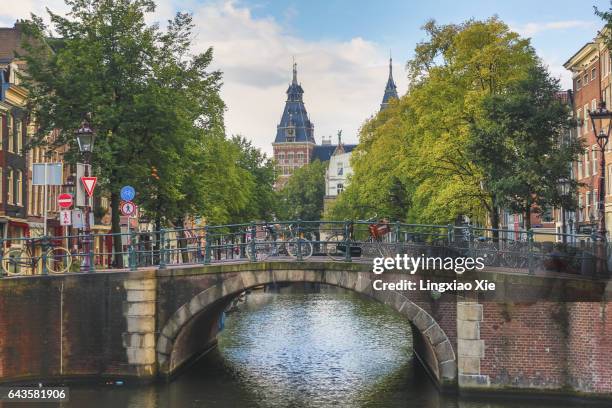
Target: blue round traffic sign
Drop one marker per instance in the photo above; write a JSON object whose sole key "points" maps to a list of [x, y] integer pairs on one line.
{"points": [[127, 193]]}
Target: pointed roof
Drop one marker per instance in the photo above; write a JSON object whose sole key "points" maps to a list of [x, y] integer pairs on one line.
{"points": [[390, 89], [295, 126]]}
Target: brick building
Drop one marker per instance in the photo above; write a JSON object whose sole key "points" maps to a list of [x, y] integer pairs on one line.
{"points": [[591, 69], [295, 145]]}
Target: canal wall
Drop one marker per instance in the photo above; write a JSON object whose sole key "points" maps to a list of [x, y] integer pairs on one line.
{"points": [[543, 334]]}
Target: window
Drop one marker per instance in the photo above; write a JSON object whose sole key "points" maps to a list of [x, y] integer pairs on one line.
{"points": [[580, 218], [594, 105], [17, 135], [290, 155], [340, 168], [585, 79], [587, 163], [585, 123], [579, 118], [339, 187], [9, 128], [300, 155], [594, 154], [578, 83], [579, 167], [11, 186], [593, 74], [18, 187], [547, 215], [281, 156], [595, 200]]}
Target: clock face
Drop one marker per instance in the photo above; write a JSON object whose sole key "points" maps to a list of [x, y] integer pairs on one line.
{"points": [[290, 131]]}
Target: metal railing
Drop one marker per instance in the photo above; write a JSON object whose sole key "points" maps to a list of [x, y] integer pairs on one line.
{"points": [[342, 241]]}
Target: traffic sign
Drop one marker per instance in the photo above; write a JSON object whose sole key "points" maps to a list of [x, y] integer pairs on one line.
{"points": [[77, 219], [127, 208], [65, 217], [65, 201], [89, 183], [128, 193]]}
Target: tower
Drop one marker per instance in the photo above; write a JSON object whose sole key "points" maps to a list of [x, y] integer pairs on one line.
{"points": [[390, 89], [294, 140]]}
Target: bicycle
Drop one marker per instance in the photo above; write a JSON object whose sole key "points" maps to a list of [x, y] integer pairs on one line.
{"points": [[270, 245], [336, 245], [22, 261]]}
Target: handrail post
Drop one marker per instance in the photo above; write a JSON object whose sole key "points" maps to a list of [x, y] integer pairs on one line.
{"points": [[530, 251], [347, 241], [253, 228], [206, 245], [470, 240], [1, 257], [162, 248], [397, 231], [299, 240], [44, 249], [449, 236], [132, 251], [92, 259]]}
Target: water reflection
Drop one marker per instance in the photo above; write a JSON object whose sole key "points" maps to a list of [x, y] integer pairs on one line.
{"points": [[300, 350]]}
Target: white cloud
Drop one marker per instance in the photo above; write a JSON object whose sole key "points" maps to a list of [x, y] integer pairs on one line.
{"points": [[343, 81], [534, 28]]}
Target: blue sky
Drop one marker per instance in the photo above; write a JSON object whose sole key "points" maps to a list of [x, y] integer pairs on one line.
{"points": [[341, 48]]}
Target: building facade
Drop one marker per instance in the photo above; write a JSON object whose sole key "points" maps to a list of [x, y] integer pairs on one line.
{"points": [[590, 68]]}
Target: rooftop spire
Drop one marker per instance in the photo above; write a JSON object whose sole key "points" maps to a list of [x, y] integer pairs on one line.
{"points": [[294, 81], [390, 89]]}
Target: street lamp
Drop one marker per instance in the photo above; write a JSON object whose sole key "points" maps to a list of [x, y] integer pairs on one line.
{"points": [[601, 120], [564, 186], [85, 138]]}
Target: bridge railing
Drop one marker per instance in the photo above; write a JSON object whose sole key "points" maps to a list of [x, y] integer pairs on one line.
{"points": [[347, 241]]}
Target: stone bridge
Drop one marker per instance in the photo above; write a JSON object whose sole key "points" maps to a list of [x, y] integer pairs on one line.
{"points": [[546, 332]]}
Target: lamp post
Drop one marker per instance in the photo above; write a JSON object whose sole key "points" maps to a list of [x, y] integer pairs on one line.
{"points": [[601, 120], [564, 186], [85, 138]]}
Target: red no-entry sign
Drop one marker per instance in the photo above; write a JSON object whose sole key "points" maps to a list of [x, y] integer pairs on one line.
{"points": [[65, 200]]}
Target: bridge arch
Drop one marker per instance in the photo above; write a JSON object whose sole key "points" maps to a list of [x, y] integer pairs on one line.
{"points": [[436, 351]]}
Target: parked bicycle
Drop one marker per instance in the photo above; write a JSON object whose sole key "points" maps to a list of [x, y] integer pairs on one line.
{"points": [[21, 260], [278, 242], [335, 246]]}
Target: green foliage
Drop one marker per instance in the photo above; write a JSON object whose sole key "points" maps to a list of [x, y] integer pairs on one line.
{"points": [[154, 106], [257, 183], [416, 160], [302, 195], [520, 146]]}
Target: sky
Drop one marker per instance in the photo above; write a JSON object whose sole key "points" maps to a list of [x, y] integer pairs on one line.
{"points": [[341, 48]]}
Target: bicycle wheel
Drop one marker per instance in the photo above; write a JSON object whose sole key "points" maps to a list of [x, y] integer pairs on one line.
{"points": [[305, 247], [262, 250], [335, 247], [16, 262], [59, 260]]}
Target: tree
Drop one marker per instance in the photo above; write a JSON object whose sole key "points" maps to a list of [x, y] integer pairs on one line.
{"points": [[521, 148], [412, 160], [302, 195], [155, 108], [258, 182]]}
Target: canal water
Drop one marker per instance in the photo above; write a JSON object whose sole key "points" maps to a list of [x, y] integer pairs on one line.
{"points": [[327, 349]]}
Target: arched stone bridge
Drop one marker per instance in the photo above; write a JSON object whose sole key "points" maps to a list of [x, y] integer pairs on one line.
{"points": [[546, 332]]}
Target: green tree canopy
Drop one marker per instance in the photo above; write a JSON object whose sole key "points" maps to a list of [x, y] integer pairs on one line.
{"points": [[302, 195]]}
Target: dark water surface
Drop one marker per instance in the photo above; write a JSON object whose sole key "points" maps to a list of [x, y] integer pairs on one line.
{"points": [[300, 350]]}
